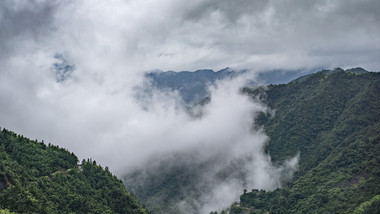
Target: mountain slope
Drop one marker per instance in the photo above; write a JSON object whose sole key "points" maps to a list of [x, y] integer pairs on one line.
{"points": [[333, 120], [36, 178]]}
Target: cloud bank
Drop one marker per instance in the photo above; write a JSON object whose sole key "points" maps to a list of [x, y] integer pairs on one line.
{"points": [[181, 35], [93, 111], [217, 154]]}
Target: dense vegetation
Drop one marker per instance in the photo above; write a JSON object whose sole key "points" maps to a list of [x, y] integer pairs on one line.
{"points": [[40, 178], [333, 119]]}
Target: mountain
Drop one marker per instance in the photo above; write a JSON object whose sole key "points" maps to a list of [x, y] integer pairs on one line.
{"points": [[192, 86], [40, 178], [332, 118], [281, 76]]}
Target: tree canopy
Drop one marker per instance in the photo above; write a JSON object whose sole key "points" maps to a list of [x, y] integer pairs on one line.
{"points": [[39, 178]]}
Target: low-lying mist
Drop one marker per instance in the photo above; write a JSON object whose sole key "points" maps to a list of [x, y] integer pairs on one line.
{"points": [[70, 73], [204, 161], [211, 151]]}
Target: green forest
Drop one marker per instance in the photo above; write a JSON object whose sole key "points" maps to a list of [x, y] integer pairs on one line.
{"points": [[332, 118], [40, 178]]}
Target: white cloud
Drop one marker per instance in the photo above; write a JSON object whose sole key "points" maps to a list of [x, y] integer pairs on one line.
{"points": [[111, 43]]}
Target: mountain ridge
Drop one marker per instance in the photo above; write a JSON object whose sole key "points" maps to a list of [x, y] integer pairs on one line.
{"points": [[192, 85], [40, 178], [333, 119], [327, 118]]}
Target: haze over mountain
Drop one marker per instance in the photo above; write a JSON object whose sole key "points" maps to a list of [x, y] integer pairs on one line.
{"points": [[330, 144], [73, 72], [299, 119], [110, 45], [193, 86]]}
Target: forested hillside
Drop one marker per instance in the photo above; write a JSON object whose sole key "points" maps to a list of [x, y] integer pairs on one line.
{"points": [[332, 118], [39, 178]]}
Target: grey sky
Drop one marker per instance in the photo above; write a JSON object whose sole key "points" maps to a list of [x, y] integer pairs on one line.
{"points": [[111, 43], [188, 35]]}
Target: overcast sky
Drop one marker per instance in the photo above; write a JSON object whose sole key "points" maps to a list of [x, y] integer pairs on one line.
{"points": [[188, 35], [111, 43]]}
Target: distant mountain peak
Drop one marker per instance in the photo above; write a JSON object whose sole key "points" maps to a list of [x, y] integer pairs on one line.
{"points": [[191, 85], [357, 70]]}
